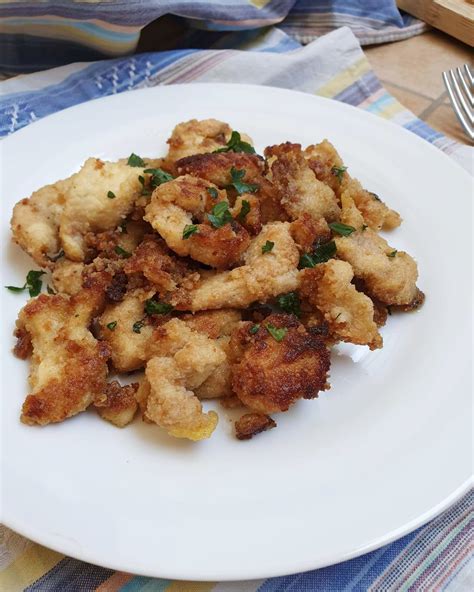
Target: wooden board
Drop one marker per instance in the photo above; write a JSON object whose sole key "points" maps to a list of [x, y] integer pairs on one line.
{"points": [[455, 17]]}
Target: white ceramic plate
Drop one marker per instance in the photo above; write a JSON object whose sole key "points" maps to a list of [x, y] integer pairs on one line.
{"points": [[383, 451]]}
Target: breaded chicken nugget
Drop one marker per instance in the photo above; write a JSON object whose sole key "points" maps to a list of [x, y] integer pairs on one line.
{"points": [[67, 276], [267, 272], [69, 366], [117, 404], [349, 313], [280, 362], [299, 190], [171, 211]]}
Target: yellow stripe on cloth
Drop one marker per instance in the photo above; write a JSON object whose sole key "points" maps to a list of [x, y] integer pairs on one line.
{"points": [[259, 3], [344, 78], [27, 568], [182, 586]]}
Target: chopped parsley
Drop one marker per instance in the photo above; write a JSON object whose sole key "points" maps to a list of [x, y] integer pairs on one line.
{"points": [[189, 230], [137, 327], [33, 283], [277, 334], [339, 172], [213, 192], [220, 215], [111, 194], [290, 303], [122, 252], [111, 326], [342, 229], [158, 177], [236, 144], [239, 185], [153, 307], [320, 255], [268, 246], [145, 191], [135, 161], [244, 210], [392, 254], [254, 329]]}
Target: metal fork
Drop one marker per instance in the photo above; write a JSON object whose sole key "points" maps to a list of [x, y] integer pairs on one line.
{"points": [[459, 86]]}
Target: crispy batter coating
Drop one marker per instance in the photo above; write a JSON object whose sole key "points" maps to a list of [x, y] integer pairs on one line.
{"points": [[251, 424], [263, 276], [349, 313], [216, 168], [322, 158], [299, 190], [251, 221], [271, 375], [69, 366], [118, 403], [213, 323], [389, 275], [219, 383], [67, 276], [196, 137], [306, 232], [172, 208]]}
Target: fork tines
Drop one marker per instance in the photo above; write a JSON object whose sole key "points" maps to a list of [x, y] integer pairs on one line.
{"points": [[459, 85]]}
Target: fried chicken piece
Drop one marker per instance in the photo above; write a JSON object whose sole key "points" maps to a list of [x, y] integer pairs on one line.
{"points": [[251, 220], [251, 424], [67, 277], [213, 323], [324, 160], [196, 137], [117, 403], [128, 347], [219, 383], [271, 375], [35, 222], [69, 366], [216, 168], [171, 210], [160, 266], [299, 190], [263, 276], [349, 313], [389, 275], [307, 232]]}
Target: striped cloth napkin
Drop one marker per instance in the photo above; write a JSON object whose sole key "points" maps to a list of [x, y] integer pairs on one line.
{"points": [[435, 557]]}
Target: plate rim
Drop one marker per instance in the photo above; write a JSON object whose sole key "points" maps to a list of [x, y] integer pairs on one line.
{"points": [[249, 574]]}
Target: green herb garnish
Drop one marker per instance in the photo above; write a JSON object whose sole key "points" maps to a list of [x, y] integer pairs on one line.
{"points": [[111, 194], [212, 192], [244, 210], [111, 326], [392, 254], [268, 246], [33, 283], [137, 327], [320, 255], [145, 191], [342, 229], [135, 161], [339, 172], [236, 144], [239, 185], [277, 334], [122, 252], [189, 230], [158, 177], [290, 303], [220, 215], [153, 307], [254, 329]]}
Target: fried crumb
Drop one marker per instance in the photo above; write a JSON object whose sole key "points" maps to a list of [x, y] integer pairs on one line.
{"points": [[251, 424]]}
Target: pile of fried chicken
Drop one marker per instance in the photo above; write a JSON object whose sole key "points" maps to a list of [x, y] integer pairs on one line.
{"points": [[215, 272]]}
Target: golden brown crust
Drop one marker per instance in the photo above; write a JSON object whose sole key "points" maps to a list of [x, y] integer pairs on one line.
{"points": [[306, 232], [117, 404], [272, 375], [23, 347], [216, 167], [251, 424]]}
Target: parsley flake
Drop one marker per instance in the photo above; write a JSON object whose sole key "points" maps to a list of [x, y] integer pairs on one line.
{"points": [[392, 254], [339, 172], [135, 161], [145, 191], [342, 229], [122, 252], [290, 303], [137, 327], [254, 329], [220, 215], [158, 177], [268, 246], [239, 185], [212, 192], [153, 307], [244, 210], [33, 283], [189, 230], [320, 255], [111, 194], [236, 144], [111, 326], [277, 334]]}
